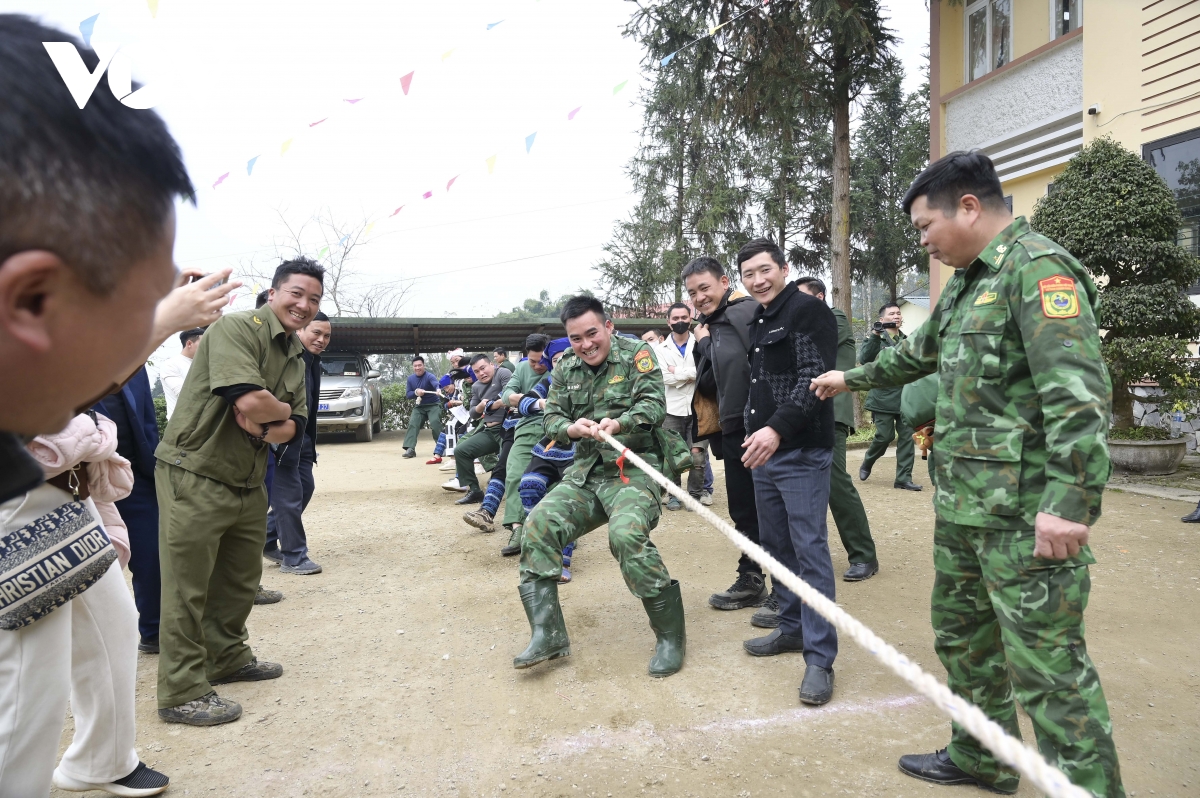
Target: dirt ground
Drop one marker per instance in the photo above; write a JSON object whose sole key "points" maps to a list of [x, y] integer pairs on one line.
{"points": [[398, 676]]}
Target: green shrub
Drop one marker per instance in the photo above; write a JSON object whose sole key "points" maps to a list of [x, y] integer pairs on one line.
{"points": [[1113, 212], [1139, 434], [160, 414], [397, 407]]}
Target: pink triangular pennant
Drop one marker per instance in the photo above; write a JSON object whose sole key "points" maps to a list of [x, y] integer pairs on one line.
{"points": [[352, 102], [319, 121], [406, 81], [428, 194], [451, 182], [397, 211], [571, 115], [220, 180]]}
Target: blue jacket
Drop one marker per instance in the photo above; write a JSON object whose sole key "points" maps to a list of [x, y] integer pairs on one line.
{"points": [[132, 410]]}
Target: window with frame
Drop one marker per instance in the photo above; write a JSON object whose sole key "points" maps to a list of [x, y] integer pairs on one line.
{"points": [[1177, 161], [1065, 16], [988, 36]]}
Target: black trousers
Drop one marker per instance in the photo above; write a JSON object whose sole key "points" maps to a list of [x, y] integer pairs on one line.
{"points": [[291, 490], [739, 489], [139, 511]]}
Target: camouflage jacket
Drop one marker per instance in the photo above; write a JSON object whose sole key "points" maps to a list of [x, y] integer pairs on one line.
{"points": [[1023, 398], [629, 388]]}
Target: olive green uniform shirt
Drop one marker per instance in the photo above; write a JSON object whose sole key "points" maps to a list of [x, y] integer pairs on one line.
{"points": [[249, 347], [523, 380], [881, 400], [1023, 397], [843, 404], [629, 387]]}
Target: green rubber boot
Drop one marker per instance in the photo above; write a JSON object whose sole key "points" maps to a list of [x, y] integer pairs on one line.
{"points": [[549, 639], [666, 619]]}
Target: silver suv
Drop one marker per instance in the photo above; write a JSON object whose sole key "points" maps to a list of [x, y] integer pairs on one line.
{"points": [[349, 400]]}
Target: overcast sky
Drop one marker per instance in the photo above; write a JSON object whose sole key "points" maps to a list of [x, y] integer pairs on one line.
{"points": [[237, 80]]}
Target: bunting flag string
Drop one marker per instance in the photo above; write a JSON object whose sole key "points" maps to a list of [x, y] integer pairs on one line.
{"points": [[711, 32]]}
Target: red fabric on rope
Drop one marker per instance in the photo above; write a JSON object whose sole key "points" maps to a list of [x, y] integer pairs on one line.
{"points": [[621, 466]]}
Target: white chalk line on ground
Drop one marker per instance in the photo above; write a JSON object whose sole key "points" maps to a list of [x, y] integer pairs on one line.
{"points": [[602, 737], [1027, 761]]}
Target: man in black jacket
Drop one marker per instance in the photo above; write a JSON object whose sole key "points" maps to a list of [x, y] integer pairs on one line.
{"points": [[789, 448], [722, 340], [293, 485]]}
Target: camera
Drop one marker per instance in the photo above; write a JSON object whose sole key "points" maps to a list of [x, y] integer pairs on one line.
{"points": [[880, 326]]}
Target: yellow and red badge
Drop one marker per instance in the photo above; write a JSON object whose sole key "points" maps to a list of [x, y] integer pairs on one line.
{"points": [[1059, 300], [642, 361]]}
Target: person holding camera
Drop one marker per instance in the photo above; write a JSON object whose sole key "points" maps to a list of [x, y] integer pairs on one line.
{"points": [[884, 403]]}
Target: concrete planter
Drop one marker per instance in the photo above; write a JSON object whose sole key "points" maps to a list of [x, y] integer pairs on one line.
{"points": [[1147, 457]]}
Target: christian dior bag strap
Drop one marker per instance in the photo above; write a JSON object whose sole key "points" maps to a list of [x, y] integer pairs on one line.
{"points": [[50, 561]]}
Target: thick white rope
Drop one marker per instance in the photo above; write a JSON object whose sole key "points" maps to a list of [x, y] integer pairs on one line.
{"points": [[1026, 760]]}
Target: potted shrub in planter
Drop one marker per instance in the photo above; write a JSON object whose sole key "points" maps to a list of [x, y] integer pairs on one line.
{"points": [[1114, 213]]}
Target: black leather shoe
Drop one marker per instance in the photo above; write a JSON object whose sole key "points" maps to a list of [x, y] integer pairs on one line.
{"points": [[860, 571], [474, 497], [775, 643], [817, 687], [864, 473], [939, 769], [906, 486], [148, 645], [1193, 517]]}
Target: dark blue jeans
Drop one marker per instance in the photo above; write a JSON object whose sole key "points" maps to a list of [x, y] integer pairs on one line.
{"points": [[792, 494], [139, 511], [291, 490]]}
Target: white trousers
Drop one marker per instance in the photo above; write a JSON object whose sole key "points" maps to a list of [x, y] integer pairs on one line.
{"points": [[85, 652]]}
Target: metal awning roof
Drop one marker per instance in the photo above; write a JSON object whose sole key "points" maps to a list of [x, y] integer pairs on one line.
{"points": [[412, 336]]}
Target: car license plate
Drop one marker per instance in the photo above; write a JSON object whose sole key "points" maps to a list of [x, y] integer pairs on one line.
{"points": [[322, 406]]}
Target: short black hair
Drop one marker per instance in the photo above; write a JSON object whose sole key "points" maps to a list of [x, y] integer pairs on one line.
{"points": [[536, 342], [678, 306], [188, 335], [500, 351], [319, 317], [758, 246], [261, 299], [945, 181], [818, 285], [576, 306], [95, 185], [883, 308], [301, 265], [701, 265], [418, 359], [478, 357]]}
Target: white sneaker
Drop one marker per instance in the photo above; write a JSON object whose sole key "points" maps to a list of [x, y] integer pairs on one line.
{"points": [[706, 499], [447, 464], [141, 782], [453, 485]]}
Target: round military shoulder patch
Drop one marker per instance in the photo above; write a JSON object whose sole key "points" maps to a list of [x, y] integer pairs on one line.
{"points": [[1059, 300], [642, 361]]}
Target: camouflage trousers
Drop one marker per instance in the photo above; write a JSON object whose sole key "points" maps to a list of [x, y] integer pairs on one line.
{"points": [[1008, 627], [568, 512]]}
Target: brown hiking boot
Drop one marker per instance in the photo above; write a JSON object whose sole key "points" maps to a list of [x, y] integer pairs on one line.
{"points": [[481, 519]]}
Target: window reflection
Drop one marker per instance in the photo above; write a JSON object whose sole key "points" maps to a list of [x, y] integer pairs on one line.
{"points": [[1177, 161]]}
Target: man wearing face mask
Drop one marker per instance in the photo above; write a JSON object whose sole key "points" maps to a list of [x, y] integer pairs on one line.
{"points": [[678, 359]]}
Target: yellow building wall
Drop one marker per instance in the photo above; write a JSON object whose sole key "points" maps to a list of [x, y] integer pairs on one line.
{"points": [[1031, 25], [1031, 29], [1027, 190], [950, 40], [1134, 59]]}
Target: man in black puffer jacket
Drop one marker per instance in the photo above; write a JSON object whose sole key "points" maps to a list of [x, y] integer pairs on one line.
{"points": [[789, 449], [722, 341]]}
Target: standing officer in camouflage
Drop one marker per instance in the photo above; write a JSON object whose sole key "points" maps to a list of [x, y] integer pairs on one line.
{"points": [[1020, 462], [884, 403], [844, 502], [245, 390], [610, 384]]}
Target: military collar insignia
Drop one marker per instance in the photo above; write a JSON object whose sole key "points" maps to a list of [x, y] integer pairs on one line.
{"points": [[257, 320], [1059, 300], [996, 251], [986, 298], [617, 378]]}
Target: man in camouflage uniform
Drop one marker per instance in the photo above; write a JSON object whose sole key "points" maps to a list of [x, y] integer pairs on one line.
{"points": [[1020, 463], [610, 384]]}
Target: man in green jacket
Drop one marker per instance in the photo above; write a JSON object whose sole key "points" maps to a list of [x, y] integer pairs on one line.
{"points": [[1020, 463], [884, 403], [844, 502]]}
